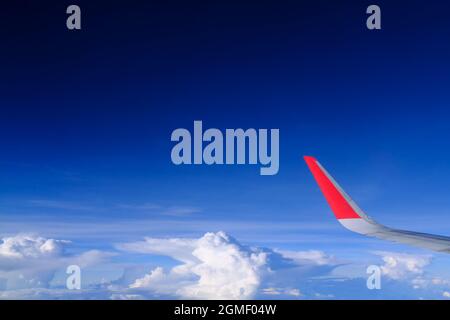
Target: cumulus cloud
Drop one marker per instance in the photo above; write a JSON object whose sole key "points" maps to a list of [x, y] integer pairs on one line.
{"points": [[399, 266], [24, 246], [214, 266], [412, 270], [217, 266], [30, 261]]}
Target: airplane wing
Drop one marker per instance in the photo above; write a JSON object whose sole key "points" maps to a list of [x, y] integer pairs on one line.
{"points": [[354, 219]]}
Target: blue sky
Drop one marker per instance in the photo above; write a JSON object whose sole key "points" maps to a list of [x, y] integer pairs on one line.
{"points": [[87, 117]]}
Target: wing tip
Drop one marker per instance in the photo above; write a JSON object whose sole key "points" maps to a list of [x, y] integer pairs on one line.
{"points": [[341, 205], [309, 159]]}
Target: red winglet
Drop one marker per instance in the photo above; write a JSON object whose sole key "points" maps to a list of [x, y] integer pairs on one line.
{"points": [[337, 201]]}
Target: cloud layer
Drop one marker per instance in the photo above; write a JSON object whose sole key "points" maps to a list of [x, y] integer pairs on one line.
{"points": [[213, 266]]}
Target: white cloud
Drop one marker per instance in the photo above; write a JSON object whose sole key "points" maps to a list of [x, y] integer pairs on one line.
{"points": [[399, 266], [315, 257], [126, 297], [440, 282], [411, 269], [214, 266], [281, 291], [323, 296], [27, 246], [422, 282], [149, 279], [30, 261]]}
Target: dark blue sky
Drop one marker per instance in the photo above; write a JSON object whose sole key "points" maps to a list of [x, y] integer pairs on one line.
{"points": [[87, 115]]}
